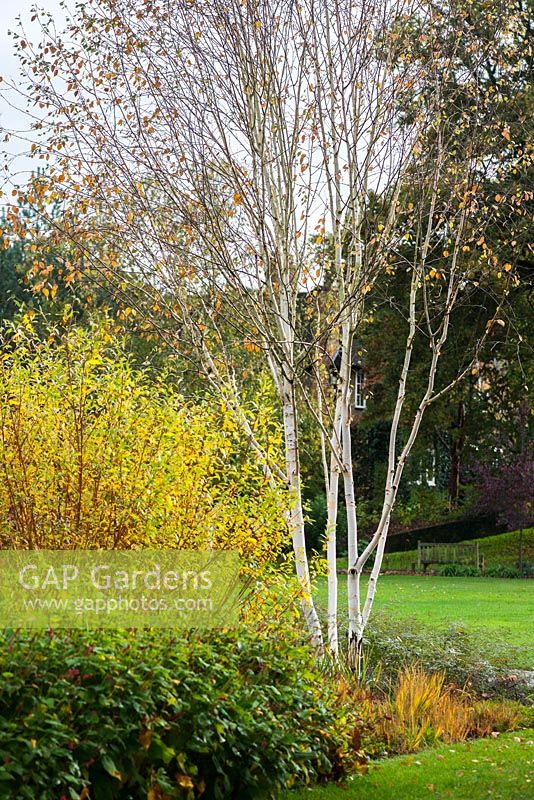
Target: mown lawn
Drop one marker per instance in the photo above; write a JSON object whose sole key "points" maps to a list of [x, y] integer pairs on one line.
{"points": [[501, 769], [500, 606], [497, 550]]}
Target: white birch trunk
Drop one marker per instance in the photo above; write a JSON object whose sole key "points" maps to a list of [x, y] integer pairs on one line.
{"points": [[396, 468], [390, 490], [296, 515], [331, 531], [353, 585]]}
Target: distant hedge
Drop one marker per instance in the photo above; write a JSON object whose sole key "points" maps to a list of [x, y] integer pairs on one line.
{"points": [[144, 715], [499, 551]]}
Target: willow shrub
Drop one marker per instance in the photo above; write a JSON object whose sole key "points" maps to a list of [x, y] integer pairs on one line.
{"points": [[144, 715], [95, 454]]}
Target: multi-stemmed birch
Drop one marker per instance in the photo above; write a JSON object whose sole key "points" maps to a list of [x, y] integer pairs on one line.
{"points": [[227, 155]]}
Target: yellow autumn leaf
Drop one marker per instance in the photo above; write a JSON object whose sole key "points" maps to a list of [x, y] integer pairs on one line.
{"points": [[184, 781]]}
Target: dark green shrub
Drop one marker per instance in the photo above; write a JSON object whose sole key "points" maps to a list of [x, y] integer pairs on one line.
{"points": [[317, 514], [145, 715], [502, 571], [459, 571]]}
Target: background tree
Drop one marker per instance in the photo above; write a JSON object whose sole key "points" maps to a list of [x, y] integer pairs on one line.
{"points": [[505, 478], [198, 150]]}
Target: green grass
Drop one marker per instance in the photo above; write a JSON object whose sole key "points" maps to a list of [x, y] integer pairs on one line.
{"points": [[502, 549], [499, 606], [501, 769]]}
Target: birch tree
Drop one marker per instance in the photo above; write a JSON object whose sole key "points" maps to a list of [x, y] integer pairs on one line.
{"points": [[228, 155]]}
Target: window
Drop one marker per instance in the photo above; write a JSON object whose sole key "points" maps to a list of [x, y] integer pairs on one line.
{"points": [[359, 399]]}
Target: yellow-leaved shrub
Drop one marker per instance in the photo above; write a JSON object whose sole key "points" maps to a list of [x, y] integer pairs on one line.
{"points": [[96, 454]]}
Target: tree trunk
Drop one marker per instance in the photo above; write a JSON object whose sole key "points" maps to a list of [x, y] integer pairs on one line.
{"points": [[296, 515], [353, 579], [331, 529], [457, 446]]}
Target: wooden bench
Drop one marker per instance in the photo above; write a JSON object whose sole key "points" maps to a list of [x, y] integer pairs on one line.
{"points": [[446, 553]]}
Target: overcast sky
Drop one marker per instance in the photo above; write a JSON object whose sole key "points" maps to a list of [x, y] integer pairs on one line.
{"points": [[10, 119]]}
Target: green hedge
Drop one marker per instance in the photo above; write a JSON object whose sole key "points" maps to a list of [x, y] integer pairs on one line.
{"points": [[499, 551], [142, 715]]}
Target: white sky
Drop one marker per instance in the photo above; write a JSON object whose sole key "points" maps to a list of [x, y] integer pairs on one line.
{"points": [[10, 119]]}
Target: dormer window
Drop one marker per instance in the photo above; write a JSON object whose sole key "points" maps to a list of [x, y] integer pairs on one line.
{"points": [[357, 376], [358, 397]]}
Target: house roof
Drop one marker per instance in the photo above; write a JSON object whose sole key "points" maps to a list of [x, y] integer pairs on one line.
{"points": [[356, 359]]}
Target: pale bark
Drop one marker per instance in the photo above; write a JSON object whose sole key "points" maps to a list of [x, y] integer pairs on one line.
{"points": [[395, 469], [331, 528], [296, 515], [353, 587]]}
